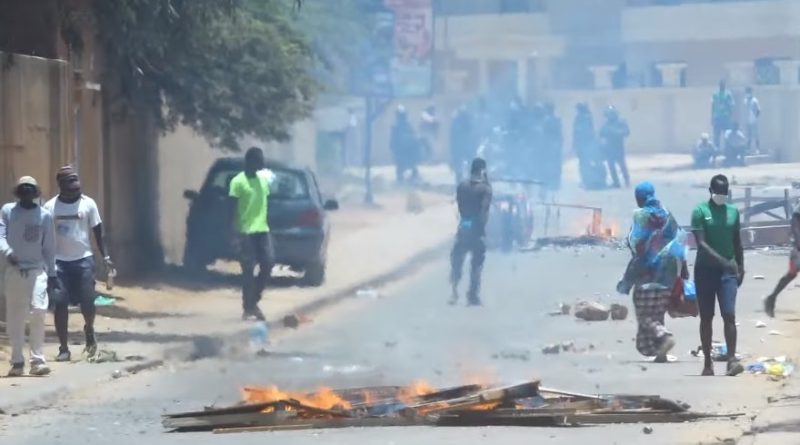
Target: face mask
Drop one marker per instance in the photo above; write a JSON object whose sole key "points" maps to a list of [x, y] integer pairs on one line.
{"points": [[719, 199]]}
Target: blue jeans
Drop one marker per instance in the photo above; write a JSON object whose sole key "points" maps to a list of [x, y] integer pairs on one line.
{"points": [[715, 285]]}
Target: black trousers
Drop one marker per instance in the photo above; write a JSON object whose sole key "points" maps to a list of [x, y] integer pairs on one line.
{"points": [[255, 249], [475, 245], [613, 160]]}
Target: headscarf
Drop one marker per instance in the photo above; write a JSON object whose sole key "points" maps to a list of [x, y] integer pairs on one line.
{"points": [[656, 242], [65, 172]]}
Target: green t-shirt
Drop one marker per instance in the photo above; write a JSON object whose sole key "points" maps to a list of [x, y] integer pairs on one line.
{"points": [[251, 197], [719, 224]]}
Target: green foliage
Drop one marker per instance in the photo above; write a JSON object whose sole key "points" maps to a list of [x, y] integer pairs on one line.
{"points": [[227, 68]]}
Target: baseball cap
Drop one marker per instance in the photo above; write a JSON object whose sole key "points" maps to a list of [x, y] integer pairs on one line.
{"points": [[27, 180]]}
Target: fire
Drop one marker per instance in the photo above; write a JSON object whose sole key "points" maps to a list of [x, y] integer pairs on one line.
{"points": [[409, 394], [324, 398]]}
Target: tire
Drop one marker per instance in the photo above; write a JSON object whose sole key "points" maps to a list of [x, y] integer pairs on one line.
{"points": [[314, 275]]}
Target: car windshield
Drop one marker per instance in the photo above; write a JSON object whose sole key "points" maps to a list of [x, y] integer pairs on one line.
{"points": [[284, 184]]}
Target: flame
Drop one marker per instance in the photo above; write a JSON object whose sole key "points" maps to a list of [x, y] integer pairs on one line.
{"points": [[409, 394], [324, 398]]}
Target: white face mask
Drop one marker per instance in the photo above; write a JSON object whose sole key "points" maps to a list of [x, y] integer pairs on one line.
{"points": [[719, 199]]}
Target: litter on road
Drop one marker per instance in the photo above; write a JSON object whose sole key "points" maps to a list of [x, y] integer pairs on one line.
{"points": [[525, 404], [775, 367], [591, 311]]}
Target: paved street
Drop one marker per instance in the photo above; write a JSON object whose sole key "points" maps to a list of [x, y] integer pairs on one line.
{"points": [[354, 345]]}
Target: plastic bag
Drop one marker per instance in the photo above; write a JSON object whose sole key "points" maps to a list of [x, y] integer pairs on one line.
{"points": [[679, 305]]}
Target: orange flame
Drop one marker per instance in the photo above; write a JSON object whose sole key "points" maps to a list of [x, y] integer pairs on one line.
{"points": [[409, 394], [324, 398]]}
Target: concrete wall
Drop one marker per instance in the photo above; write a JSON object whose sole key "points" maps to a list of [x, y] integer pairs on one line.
{"points": [[34, 120]]}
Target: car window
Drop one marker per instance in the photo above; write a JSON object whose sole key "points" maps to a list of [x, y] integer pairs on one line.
{"points": [[284, 184]]}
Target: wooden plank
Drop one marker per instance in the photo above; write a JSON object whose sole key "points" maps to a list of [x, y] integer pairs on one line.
{"points": [[368, 422], [488, 396]]}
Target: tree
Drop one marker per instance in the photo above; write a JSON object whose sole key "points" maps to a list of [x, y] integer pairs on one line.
{"points": [[227, 68]]}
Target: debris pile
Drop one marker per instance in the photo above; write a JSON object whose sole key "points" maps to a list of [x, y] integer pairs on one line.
{"points": [[525, 404], [776, 368]]}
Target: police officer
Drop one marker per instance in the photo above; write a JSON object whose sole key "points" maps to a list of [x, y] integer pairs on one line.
{"points": [[474, 197]]}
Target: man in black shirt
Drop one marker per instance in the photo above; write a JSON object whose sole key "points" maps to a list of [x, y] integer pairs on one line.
{"points": [[474, 197]]}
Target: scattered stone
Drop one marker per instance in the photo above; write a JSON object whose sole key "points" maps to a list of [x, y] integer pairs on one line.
{"points": [[774, 332], [551, 349], [116, 374], [565, 308], [758, 277], [390, 344], [760, 324], [643, 367], [591, 346], [520, 354], [568, 346], [291, 321], [647, 430], [591, 311], [619, 312]]}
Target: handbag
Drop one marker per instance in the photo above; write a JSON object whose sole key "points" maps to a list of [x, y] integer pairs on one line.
{"points": [[682, 305]]}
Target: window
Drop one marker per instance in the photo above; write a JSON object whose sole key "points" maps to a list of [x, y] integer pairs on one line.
{"points": [[469, 7]]}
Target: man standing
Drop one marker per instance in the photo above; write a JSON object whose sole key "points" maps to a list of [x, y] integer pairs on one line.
{"points": [[718, 269], [753, 115], [27, 240], [794, 265], [249, 192], [463, 143], [474, 196], [613, 135], [553, 148], [721, 112], [583, 144], [75, 216]]}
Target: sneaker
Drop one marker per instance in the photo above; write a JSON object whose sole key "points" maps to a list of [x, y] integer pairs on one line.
{"points": [[63, 355], [734, 368], [39, 369], [17, 370], [769, 306], [254, 313], [666, 346]]}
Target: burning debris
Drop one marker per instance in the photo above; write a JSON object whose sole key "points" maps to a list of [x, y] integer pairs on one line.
{"points": [[526, 404]]}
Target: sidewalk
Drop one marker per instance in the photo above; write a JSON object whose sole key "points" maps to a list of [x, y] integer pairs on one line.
{"points": [[367, 247]]}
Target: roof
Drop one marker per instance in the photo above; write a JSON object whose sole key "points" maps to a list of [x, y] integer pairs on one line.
{"points": [[238, 163]]}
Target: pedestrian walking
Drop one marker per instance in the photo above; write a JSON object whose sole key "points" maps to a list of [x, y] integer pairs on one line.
{"points": [[405, 146], [27, 240], [613, 135], [249, 191], [75, 216], [753, 109], [718, 269], [474, 196], [794, 265], [658, 249], [722, 104]]}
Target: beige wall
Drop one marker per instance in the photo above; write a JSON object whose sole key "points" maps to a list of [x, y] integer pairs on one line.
{"points": [[34, 120]]}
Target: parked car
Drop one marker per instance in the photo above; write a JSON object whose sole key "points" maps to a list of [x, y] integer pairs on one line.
{"points": [[297, 219]]}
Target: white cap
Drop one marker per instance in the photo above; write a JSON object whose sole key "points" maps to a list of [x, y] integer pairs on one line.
{"points": [[27, 180]]}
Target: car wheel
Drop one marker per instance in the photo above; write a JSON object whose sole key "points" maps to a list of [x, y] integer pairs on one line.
{"points": [[314, 274]]}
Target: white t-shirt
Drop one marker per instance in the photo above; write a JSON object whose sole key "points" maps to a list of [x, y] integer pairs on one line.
{"points": [[753, 110], [74, 223]]}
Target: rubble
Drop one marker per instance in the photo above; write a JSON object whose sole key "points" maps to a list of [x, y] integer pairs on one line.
{"points": [[522, 355], [291, 321], [563, 309], [619, 312], [591, 311], [551, 349], [760, 324], [525, 404]]}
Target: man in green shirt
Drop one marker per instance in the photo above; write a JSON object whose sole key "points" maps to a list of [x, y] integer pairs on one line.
{"points": [[249, 192], [718, 269]]}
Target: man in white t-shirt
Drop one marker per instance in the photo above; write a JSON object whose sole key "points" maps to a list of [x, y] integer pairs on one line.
{"points": [[75, 216]]}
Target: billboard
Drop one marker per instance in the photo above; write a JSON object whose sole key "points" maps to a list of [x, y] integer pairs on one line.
{"points": [[397, 61], [412, 57]]}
